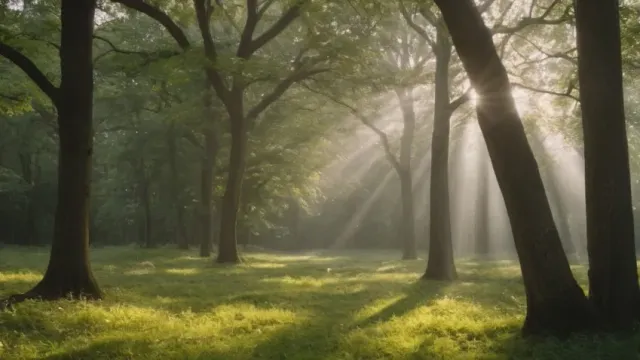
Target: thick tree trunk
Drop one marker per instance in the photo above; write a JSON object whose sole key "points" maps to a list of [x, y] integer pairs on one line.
{"points": [[180, 228], [613, 276], [482, 237], [228, 249], [405, 173], [206, 192], [555, 302], [69, 272], [440, 265]]}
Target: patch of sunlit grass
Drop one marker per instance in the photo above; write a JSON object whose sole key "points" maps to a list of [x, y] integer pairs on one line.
{"points": [[170, 304]]}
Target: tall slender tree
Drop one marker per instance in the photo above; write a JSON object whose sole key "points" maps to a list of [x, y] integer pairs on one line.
{"points": [[613, 275], [69, 272], [555, 302]]}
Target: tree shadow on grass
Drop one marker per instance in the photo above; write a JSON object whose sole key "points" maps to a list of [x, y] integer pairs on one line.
{"points": [[321, 337]]}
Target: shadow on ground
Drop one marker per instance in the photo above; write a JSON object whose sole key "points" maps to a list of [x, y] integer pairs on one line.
{"points": [[171, 304]]}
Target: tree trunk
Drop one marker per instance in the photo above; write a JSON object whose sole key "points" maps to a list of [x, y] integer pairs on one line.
{"points": [[69, 272], [146, 215], [30, 231], [228, 249], [483, 247], [181, 232], [206, 193], [613, 276], [408, 231], [555, 302], [440, 265]]}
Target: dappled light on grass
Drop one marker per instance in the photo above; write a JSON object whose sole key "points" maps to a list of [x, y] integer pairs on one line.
{"points": [[273, 306]]}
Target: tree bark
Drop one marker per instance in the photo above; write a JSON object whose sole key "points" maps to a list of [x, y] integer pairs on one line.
{"points": [[69, 272], [613, 276], [206, 192], [228, 247], [440, 265], [555, 302], [408, 231]]}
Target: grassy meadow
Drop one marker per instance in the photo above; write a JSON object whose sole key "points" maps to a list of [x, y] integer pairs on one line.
{"points": [[170, 304]]}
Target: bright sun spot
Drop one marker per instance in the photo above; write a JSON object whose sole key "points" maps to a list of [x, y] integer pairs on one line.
{"points": [[521, 97]]}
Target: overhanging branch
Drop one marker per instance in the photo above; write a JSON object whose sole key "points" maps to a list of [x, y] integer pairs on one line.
{"points": [[384, 139], [279, 26], [160, 16], [33, 72], [567, 93], [280, 89]]}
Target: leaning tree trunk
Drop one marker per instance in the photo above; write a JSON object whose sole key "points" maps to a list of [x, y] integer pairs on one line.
{"points": [[227, 246], [440, 265], [69, 272], [408, 231], [613, 276], [555, 302]]}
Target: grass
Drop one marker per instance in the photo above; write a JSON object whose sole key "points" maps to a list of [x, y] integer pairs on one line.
{"points": [[168, 304]]}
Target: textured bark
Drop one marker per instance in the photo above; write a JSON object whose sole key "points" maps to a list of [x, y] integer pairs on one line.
{"points": [[440, 265], [228, 247], [555, 302], [613, 276], [68, 272]]}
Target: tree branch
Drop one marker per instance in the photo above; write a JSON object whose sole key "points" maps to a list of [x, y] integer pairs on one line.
{"points": [[461, 100], [279, 26], [148, 56], [417, 28], [384, 139], [280, 89], [216, 80], [567, 94], [249, 28], [540, 20], [160, 16], [32, 71]]}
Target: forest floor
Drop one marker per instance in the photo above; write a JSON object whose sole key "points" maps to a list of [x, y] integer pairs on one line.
{"points": [[167, 304]]}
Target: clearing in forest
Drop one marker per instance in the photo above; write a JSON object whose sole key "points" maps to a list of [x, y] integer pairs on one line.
{"points": [[168, 304]]}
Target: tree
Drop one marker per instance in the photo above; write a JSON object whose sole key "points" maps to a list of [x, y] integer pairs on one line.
{"points": [[613, 274], [555, 302], [231, 88], [440, 265], [69, 272]]}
